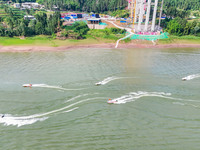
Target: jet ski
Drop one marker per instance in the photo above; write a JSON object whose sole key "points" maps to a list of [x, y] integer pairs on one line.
{"points": [[184, 79], [99, 83], [27, 85], [112, 101]]}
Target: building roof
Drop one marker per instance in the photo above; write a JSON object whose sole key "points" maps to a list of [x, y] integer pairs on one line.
{"points": [[94, 19]]}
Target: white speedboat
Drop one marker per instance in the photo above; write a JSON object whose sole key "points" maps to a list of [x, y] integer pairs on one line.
{"points": [[112, 101], [99, 83], [27, 85]]}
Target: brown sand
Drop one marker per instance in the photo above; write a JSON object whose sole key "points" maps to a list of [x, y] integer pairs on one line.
{"points": [[104, 45]]}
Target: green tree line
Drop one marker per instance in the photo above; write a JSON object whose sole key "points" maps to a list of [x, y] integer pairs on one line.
{"points": [[19, 1], [171, 7], [180, 27], [180, 8], [18, 26], [182, 4], [85, 5]]}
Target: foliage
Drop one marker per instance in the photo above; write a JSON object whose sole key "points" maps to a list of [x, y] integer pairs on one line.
{"points": [[182, 4], [117, 31], [174, 12], [121, 13], [164, 22], [180, 8], [18, 26], [78, 30], [175, 28], [107, 33], [85, 5], [179, 27]]}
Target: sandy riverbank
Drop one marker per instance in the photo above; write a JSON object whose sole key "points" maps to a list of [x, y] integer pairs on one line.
{"points": [[103, 45]]}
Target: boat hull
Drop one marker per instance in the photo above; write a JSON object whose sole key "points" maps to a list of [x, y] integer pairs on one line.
{"points": [[27, 85]]}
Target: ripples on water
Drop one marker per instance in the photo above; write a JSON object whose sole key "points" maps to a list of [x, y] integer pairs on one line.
{"points": [[65, 109]]}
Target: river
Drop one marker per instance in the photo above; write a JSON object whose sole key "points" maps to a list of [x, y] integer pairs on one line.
{"points": [[65, 109]]}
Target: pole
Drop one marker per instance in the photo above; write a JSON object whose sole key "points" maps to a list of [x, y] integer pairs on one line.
{"points": [[147, 15], [154, 16], [134, 13], [141, 14], [161, 8], [131, 9], [136, 10]]}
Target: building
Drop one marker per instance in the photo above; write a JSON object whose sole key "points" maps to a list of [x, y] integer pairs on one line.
{"points": [[28, 17], [95, 23], [30, 5], [17, 5]]}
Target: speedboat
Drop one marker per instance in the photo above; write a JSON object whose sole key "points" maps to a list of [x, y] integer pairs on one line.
{"points": [[112, 101], [184, 79], [99, 83], [27, 85]]}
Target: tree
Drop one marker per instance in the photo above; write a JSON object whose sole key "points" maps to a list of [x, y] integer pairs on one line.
{"points": [[175, 28], [81, 28], [196, 29], [9, 33], [39, 28], [2, 31], [10, 22], [187, 29], [85, 5]]}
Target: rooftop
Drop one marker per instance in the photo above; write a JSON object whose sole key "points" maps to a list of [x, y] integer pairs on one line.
{"points": [[94, 19]]}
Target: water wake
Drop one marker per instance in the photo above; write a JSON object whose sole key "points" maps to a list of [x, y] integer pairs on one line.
{"points": [[190, 77], [27, 120], [186, 104], [178, 103], [136, 95], [17, 121], [105, 81], [50, 86], [71, 109], [76, 97]]}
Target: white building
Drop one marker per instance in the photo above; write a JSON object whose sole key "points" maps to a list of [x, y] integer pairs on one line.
{"points": [[30, 5], [29, 17], [17, 5]]}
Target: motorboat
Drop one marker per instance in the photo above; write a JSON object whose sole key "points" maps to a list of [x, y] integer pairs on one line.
{"points": [[27, 85]]}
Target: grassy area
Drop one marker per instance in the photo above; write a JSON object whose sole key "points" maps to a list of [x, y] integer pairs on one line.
{"points": [[48, 41], [180, 40], [105, 34], [6, 41], [93, 37]]}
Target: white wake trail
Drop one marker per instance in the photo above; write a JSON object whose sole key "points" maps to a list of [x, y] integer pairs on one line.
{"points": [[136, 95], [190, 77], [109, 79], [186, 104], [71, 109], [17, 121], [52, 87], [26, 120], [76, 97]]}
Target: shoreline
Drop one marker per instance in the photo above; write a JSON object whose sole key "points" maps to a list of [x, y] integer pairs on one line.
{"points": [[32, 48]]}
